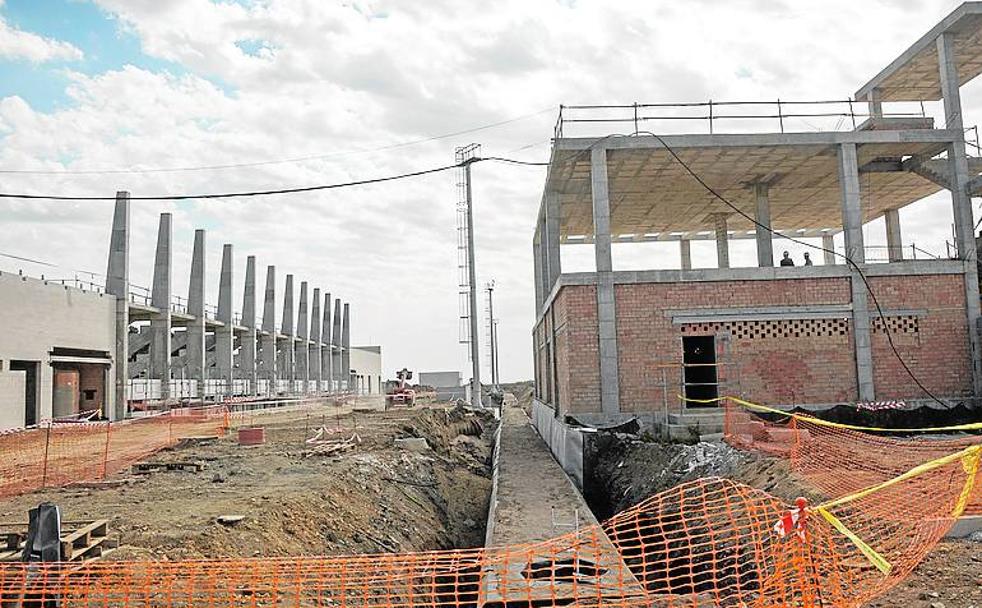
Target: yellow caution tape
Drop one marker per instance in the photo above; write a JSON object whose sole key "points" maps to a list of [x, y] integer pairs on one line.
{"points": [[875, 558], [971, 426], [970, 464]]}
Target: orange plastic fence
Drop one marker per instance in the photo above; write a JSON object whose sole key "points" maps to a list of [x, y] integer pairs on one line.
{"points": [[837, 460], [58, 454], [711, 542]]}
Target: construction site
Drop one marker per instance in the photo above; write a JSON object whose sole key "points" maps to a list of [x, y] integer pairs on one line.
{"points": [[761, 436]]}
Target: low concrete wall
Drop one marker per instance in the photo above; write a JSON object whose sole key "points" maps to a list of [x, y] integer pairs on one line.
{"points": [[565, 442]]}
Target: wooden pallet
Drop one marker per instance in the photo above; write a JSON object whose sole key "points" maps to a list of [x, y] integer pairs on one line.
{"points": [[180, 465], [83, 542]]}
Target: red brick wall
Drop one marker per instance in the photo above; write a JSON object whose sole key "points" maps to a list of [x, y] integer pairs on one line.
{"points": [[577, 349]]}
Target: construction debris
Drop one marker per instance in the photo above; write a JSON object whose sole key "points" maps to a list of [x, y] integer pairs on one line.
{"points": [[317, 446], [143, 468], [84, 541], [415, 444]]}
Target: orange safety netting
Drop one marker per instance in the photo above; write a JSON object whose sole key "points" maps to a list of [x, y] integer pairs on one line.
{"points": [[58, 454], [836, 459], [711, 542]]}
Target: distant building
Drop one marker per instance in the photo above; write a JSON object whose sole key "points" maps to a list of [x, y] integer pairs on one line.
{"points": [[448, 385], [366, 370]]}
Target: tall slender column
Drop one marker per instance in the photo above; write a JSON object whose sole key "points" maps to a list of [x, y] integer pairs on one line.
{"points": [[722, 240], [287, 364], [336, 346], [118, 285], [160, 322], [606, 309], [327, 356], [765, 241], [895, 246], [196, 308], [225, 334], [551, 242], [852, 224], [685, 252], [539, 271], [961, 202], [303, 341], [346, 347], [268, 359], [247, 350], [828, 244], [314, 349]]}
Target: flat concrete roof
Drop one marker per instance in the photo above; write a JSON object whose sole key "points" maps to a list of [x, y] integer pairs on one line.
{"points": [[913, 76], [653, 197]]}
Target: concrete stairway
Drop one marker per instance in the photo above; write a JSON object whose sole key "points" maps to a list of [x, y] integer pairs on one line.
{"points": [[695, 424]]}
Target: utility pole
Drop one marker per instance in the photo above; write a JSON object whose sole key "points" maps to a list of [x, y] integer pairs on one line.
{"points": [[468, 283], [492, 334]]}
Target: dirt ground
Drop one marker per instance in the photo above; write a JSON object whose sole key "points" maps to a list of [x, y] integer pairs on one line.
{"points": [[375, 497]]}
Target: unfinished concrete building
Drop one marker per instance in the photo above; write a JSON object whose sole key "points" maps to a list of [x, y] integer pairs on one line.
{"points": [[71, 347], [611, 345]]}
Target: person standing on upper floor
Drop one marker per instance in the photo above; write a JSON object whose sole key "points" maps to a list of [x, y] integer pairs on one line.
{"points": [[786, 260], [808, 259]]}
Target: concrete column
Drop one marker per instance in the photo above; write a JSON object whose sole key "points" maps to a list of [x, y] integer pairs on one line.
{"points": [[314, 349], [287, 364], [551, 242], [302, 345], [225, 334], [336, 346], [722, 240], [852, 207], [539, 274], [765, 240], [196, 307], [160, 295], [327, 356], [606, 309], [961, 202], [829, 245], [852, 224], [268, 360], [873, 99], [685, 251], [247, 349], [895, 246], [346, 347], [118, 285]]}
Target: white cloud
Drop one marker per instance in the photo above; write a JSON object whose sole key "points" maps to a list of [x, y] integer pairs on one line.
{"points": [[18, 44]]}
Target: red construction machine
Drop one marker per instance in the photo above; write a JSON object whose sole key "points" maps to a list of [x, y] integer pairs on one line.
{"points": [[401, 395]]}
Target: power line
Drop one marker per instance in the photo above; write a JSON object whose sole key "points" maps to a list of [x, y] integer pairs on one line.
{"points": [[270, 162]]}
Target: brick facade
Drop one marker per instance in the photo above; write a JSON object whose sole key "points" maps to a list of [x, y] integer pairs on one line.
{"points": [[769, 360]]}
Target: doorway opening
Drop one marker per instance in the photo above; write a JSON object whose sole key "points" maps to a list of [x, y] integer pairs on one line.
{"points": [[700, 373], [30, 369]]}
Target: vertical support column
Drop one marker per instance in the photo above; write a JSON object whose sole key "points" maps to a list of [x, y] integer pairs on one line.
{"points": [[828, 244], [247, 350], [268, 359], [722, 240], [160, 322], [606, 308], [196, 308], [539, 271], [314, 349], [875, 103], [336, 347], [225, 334], [287, 364], [551, 241], [302, 344], [961, 202], [765, 241], [895, 246], [327, 356], [852, 224], [685, 252], [118, 285], [346, 347]]}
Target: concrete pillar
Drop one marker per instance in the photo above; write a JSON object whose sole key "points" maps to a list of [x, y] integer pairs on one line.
{"points": [[765, 240], [606, 309], [327, 356], [225, 334], [314, 349], [160, 296], [336, 346], [346, 348], [873, 99], [852, 224], [302, 344], [118, 285], [722, 240], [895, 246], [828, 244], [539, 271], [287, 364], [196, 308], [685, 251], [268, 360], [247, 349], [961, 202], [551, 242], [852, 207]]}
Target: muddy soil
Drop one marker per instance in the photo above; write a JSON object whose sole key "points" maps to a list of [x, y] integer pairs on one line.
{"points": [[375, 497]]}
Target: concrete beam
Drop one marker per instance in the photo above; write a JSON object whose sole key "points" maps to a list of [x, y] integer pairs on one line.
{"points": [[895, 245], [268, 359], [302, 347], [247, 350], [160, 298], [287, 364], [314, 349], [327, 356], [336, 345], [225, 334], [346, 348], [606, 308], [196, 308], [685, 251], [118, 285], [765, 241], [722, 240]]}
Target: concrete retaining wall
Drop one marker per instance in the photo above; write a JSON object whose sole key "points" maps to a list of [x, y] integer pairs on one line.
{"points": [[565, 442]]}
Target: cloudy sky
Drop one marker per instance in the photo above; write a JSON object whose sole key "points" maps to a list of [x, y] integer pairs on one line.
{"points": [[365, 89]]}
